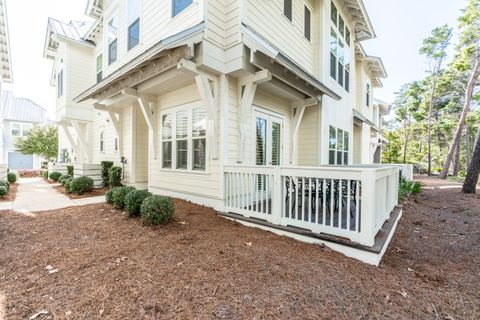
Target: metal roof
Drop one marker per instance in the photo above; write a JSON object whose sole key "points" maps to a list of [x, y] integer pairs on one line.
{"points": [[5, 60], [21, 109], [75, 30]]}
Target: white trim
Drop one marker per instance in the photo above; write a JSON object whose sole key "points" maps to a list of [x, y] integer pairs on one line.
{"points": [[270, 115]]}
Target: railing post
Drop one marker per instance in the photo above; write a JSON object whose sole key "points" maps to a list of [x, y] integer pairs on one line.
{"points": [[367, 229], [277, 196]]}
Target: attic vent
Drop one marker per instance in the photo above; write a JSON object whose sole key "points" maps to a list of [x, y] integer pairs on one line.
{"points": [[287, 9], [307, 23]]}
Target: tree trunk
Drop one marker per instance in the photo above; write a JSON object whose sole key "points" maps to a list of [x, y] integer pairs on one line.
{"points": [[456, 163], [471, 180], [461, 124], [429, 130], [467, 146]]}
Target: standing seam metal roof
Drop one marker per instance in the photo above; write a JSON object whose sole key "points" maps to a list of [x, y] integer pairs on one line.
{"points": [[21, 109]]}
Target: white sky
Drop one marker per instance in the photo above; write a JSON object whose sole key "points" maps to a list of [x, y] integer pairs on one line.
{"points": [[400, 26]]}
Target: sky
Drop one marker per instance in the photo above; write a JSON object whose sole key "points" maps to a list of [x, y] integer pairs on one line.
{"points": [[400, 25]]}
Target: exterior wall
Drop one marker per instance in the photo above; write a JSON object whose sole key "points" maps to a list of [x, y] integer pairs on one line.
{"points": [[308, 140], [141, 148], [357, 144]]}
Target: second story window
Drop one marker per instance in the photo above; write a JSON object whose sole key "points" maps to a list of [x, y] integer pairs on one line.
{"points": [[60, 84], [308, 23], [334, 14], [340, 51], [180, 5], [287, 9], [99, 70], [112, 39], [333, 54], [133, 23], [367, 98]]}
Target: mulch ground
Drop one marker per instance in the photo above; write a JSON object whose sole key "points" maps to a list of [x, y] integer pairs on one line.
{"points": [[93, 193], [93, 262], [10, 196]]}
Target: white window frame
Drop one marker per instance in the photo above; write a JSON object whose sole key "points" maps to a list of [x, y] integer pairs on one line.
{"points": [[114, 15], [130, 21], [173, 111], [307, 6], [172, 11], [341, 37], [256, 110], [101, 141], [345, 150], [22, 126]]}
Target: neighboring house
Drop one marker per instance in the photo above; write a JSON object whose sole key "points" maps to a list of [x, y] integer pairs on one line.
{"points": [[257, 108], [19, 116]]}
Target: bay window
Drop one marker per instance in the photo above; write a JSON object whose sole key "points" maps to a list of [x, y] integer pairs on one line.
{"points": [[184, 139]]}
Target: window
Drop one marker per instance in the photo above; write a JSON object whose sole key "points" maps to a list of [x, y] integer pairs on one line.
{"points": [[308, 23], [333, 54], [338, 146], [334, 14], [340, 55], [102, 145], [180, 5], [341, 62], [367, 98], [20, 129], [60, 83], [115, 144], [133, 23], [341, 26], [112, 40], [26, 127], [347, 36], [287, 9], [184, 140], [100, 67]]}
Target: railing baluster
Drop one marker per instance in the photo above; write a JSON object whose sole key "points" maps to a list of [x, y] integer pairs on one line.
{"points": [[348, 205], [310, 200], [357, 206], [340, 203], [290, 197], [316, 200], [324, 202], [296, 198], [332, 198], [303, 199]]}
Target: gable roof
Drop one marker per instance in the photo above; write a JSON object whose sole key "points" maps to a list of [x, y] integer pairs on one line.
{"points": [[374, 65], [5, 59], [22, 109], [358, 14], [74, 31]]}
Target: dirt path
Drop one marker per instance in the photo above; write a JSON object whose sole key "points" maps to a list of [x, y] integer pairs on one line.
{"points": [[206, 267]]}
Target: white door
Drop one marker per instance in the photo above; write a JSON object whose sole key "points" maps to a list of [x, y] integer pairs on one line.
{"points": [[268, 139]]}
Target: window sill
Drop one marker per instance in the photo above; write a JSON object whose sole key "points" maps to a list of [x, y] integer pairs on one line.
{"points": [[200, 173]]}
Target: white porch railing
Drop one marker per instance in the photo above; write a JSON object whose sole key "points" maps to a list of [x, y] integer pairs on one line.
{"points": [[348, 201]]}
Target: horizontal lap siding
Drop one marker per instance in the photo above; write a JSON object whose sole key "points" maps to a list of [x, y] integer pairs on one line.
{"points": [[141, 139], [307, 140], [203, 184], [223, 22]]}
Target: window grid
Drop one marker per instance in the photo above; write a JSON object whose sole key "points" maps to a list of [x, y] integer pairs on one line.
{"points": [[340, 55], [308, 23], [338, 146]]}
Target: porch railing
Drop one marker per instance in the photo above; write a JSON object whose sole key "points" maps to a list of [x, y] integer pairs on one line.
{"points": [[351, 202]]}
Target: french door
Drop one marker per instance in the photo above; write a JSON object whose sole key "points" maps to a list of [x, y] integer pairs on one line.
{"points": [[268, 139]]}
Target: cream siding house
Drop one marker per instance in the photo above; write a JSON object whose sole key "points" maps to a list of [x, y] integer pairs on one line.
{"points": [[248, 106]]}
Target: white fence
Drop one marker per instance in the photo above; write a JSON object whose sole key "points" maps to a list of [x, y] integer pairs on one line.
{"points": [[3, 171], [351, 202], [58, 167], [93, 171]]}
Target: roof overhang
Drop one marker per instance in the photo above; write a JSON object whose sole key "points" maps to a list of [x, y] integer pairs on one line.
{"points": [[5, 57], [383, 107], [360, 117], [94, 9], [374, 65], [358, 14], [157, 59], [265, 56]]}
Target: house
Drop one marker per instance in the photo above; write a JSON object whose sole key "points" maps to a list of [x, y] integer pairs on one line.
{"points": [[263, 110], [19, 116]]}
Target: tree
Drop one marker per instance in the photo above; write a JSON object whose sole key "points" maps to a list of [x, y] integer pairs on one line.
{"points": [[468, 59], [435, 49], [42, 141], [392, 152], [471, 180]]}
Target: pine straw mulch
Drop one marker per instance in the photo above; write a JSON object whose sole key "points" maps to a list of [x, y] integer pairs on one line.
{"points": [[94, 193], [205, 267], [10, 196]]}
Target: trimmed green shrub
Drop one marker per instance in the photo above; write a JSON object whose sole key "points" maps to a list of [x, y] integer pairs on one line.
{"points": [[3, 191], [119, 196], [157, 210], [55, 175], [115, 176], [66, 185], [70, 171], [109, 195], [64, 177], [5, 183], [12, 177], [45, 174], [133, 201], [408, 188], [81, 185], [106, 166]]}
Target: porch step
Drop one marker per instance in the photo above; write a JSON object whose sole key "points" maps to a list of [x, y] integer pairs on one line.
{"points": [[371, 255]]}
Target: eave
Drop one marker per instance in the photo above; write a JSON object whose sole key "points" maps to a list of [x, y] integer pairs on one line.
{"points": [[358, 14]]}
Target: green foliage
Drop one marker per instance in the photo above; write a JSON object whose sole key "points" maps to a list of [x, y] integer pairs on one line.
{"points": [[12, 177], [106, 166], [41, 141], [5, 183], [81, 185], [64, 177], [45, 174], [110, 193], [115, 176], [70, 171], [393, 151], [66, 184], [408, 188], [119, 196], [133, 201], [55, 175], [3, 191], [157, 210]]}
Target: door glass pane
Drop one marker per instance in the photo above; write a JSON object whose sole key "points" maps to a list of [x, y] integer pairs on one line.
{"points": [[261, 141], [276, 143]]}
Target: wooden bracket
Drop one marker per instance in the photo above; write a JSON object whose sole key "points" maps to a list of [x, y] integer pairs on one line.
{"points": [[207, 93], [299, 107], [71, 140], [82, 140]]}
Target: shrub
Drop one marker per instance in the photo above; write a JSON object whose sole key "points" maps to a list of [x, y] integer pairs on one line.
{"points": [[45, 174], [64, 177], [55, 175], [157, 210], [109, 195], [12, 177], [133, 201], [407, 188], [3, 191], [106, 166], [5, 183], [30, 173], [81, 185], [119, 196], [66, 185], [70, 170], [115, 176]]}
